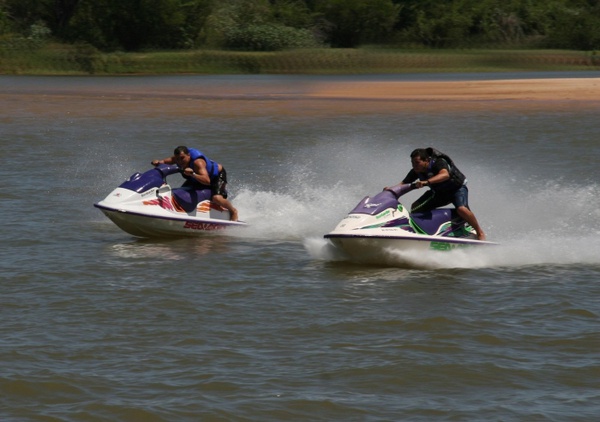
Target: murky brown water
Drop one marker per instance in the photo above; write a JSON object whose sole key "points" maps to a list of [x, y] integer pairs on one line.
{"points": [[262, 324]]}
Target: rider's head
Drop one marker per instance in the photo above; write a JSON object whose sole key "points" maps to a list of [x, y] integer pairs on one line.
{"points": [[419, 160], [181, 156]]}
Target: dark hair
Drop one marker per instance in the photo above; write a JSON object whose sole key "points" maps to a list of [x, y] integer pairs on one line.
{"points": [[181, 149], [421, 153]]}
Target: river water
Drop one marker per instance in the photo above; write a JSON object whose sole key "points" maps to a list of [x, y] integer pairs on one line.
{"points": [[266, 323]]}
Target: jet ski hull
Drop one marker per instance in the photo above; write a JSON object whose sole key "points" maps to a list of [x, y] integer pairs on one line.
{"points": [[380, 226], [146, 225], [371, 248]]}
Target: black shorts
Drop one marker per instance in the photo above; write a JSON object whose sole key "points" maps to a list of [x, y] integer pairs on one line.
{"points": [[432, 199], [219, 184]]}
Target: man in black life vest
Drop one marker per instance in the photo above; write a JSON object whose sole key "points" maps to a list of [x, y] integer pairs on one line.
{"points": [[447, 185]]}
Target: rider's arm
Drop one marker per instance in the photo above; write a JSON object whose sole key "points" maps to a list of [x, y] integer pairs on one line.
{"points": [[410, 177], [168, 160], [199, 173], [442, 176]]}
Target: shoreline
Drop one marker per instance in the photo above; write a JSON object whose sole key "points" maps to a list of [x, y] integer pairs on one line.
{"points": [[579, 89], [312, 96]]}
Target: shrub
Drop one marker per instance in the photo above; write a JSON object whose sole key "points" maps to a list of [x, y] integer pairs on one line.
{"points": [[269, 37]]}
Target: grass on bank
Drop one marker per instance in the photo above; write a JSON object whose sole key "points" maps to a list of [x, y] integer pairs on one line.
{"points": [[58, 59]]}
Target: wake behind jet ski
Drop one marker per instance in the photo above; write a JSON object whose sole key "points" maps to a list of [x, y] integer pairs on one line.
{"points": [[381, 223], [145, 205]]}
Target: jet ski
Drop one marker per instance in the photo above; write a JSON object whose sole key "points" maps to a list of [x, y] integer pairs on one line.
{"points": [[145, 205], [381, 223]]}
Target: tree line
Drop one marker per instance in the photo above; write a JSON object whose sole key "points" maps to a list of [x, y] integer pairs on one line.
{"points": [[271, 25]]}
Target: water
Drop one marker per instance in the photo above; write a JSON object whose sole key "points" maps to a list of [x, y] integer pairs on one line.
{"points": [[266, 323]]}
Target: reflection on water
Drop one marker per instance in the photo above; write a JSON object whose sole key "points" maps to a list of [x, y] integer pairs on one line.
{"points": [[171, 250]]}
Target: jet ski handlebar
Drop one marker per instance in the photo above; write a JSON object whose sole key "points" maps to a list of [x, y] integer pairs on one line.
{"points": [[401, 189], [167, 169]]}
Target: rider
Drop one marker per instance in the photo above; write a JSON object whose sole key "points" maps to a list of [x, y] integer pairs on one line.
{"points": [[200, 173], [447, 185]]}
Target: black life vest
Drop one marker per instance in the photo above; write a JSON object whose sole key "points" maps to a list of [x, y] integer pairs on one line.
{"points": [[456, 176]]}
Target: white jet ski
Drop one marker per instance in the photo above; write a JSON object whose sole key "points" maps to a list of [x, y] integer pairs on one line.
{"points": [[381, 223], [145, 205]]}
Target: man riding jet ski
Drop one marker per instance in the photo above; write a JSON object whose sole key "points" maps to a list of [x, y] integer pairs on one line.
{"points": [[447, 184], [380, 225], [201, 173], [145, 205]]}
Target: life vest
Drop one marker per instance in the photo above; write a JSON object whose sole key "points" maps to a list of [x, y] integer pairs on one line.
{"points": [[211, 166], [456, 176]]}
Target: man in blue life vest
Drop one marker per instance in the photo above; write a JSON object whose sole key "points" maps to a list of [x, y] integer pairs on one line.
{"points": [[201, 172], [447, 185]]}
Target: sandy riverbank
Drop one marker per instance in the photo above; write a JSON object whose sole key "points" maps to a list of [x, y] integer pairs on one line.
{"points": [[320, 96], [573, 89]]}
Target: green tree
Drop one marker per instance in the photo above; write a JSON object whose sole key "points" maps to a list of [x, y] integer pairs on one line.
{"points": [[276, 24], [443, 25], [468, 22], [24, 13], [60, 14], [230, 15], [575, 24], [5, 23], [128, 24], [54, 14], [196, 13], [260, 25], [510, 22], [354, 22]]}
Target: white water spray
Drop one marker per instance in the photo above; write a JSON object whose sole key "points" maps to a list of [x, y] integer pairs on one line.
{"points": [[534, 223]]}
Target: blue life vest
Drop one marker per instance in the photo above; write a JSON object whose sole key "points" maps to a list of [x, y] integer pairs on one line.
{"points": [[211, 166]]}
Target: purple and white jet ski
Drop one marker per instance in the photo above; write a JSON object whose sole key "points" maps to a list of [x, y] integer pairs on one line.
{"points": [[145, 205], [381, 223]]}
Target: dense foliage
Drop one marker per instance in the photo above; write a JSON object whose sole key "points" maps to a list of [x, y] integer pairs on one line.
{"points": [[270, 25]]}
